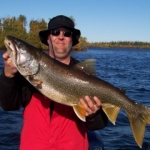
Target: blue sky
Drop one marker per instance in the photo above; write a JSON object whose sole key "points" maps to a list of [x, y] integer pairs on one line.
{"points": [[98, 20]]}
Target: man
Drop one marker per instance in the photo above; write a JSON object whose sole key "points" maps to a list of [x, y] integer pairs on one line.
{"points": [[49, 125]]}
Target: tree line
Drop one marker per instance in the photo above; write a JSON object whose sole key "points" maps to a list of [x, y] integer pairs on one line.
{"points": [[121, 44], [17, 26]]}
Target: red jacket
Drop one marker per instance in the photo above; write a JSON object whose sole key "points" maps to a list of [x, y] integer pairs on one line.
{"points": [[63, 131]]}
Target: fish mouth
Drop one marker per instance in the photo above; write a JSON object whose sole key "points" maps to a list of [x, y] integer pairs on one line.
{"points": [[10, 49], [9, 46]]}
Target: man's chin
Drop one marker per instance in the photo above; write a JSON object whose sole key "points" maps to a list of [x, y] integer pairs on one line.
{"points": [[61, 55]]}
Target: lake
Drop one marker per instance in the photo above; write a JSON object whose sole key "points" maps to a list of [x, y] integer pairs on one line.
{"points": [[128, 69]]}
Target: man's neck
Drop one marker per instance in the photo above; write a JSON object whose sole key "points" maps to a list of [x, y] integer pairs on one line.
{"points": [[65, 60]]}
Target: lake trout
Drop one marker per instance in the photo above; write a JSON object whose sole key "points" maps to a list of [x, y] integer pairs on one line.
{"points": [[66, 85]]}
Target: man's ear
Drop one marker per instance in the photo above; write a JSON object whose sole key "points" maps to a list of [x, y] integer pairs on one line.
{"points": [[48, 41]]}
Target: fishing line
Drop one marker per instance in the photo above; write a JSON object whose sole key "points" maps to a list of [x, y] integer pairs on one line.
{"points": [[52, 48], [53, 51]]}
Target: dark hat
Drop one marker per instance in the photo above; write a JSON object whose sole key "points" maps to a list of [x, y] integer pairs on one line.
{"points": [[60, 21]]}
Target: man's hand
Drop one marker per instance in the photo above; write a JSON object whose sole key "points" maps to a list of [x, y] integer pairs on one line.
{"points": [[9, 68], [91, 106]]}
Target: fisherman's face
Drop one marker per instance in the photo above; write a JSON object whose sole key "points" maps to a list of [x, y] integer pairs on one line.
{"points": [[60, 41]]}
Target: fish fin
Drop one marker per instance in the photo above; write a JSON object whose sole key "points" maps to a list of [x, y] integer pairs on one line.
{"points": [[80, 111], [35, 82], [87, 66], [138, 124], [111, 111]]}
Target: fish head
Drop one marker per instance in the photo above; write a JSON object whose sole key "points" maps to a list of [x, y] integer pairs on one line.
{"points": [[23, 57]]}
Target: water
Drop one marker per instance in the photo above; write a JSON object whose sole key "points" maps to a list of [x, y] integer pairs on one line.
{"points": [[125, 68]]}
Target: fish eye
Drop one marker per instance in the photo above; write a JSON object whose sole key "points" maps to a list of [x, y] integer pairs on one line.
{"points": [[9, 43]]}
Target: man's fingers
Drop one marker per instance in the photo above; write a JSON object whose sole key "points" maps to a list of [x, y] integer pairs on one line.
{"points": [[89, 102], [97, 101], [84, 103], [5, 56], [91, 105]]}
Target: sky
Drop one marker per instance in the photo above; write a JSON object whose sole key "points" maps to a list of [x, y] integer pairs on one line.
{"points": [[98, 20]]}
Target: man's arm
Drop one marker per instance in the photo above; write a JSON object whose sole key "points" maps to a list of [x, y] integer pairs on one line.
{"points": [[97, 121], [96, 118], [14, 90], [9, 95]]}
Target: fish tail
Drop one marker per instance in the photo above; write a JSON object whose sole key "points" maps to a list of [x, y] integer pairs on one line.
{"points": [[138, 123]]}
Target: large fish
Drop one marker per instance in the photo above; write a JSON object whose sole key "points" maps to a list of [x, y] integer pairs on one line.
{"points": [[66, 85]]}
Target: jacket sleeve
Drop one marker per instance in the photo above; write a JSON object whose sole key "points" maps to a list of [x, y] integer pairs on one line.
{"points": [[14, 92], [96, 121]]}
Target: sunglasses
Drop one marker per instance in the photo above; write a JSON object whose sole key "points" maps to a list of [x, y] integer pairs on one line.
{"points": [[66, 33]]}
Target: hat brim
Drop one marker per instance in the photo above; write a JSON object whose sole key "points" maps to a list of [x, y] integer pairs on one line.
{"points": [[75, 37]]}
